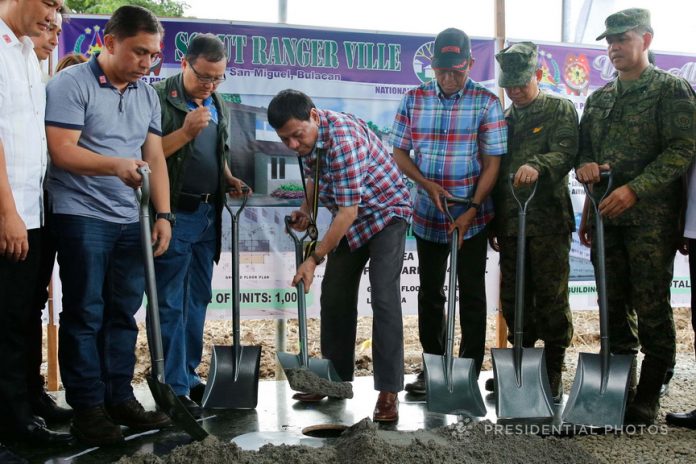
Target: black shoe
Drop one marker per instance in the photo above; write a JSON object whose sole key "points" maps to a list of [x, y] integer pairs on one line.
{"points": [[490, 385], [682, 419], [191, 406], [417, 387], [8, 457], [45, 406], [35, 431], [132, 414], [94, 427], [196, 393]]}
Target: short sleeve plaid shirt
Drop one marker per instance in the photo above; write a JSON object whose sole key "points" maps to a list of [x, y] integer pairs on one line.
{"points": [[356, 169], [448, 137]]}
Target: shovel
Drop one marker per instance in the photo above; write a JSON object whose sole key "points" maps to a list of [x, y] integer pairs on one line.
{"points": [[233, 379], [521, 382], [294, 364], [451, 383], [600, 389], [163, 394]]}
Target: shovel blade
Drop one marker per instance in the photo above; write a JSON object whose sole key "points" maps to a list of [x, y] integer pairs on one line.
{"points": [[167, 401], [323, 368], [589, 404], [453, 392], [527, 397], [233, 383]]}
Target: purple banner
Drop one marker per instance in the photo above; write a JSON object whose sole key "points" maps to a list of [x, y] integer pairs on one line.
{"points": [[289, 51], [574, 70]]}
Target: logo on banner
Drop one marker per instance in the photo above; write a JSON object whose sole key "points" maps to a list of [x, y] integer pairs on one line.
{"points": [[550, 72], [422, 62], [91, 41], [576, 74]]}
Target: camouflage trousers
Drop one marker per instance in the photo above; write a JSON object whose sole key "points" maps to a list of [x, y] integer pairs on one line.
{"points": [[547, 314], [639, 269]]}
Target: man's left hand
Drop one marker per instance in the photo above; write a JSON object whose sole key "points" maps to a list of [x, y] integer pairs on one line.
{"points": [[463, 223], [305, 273], [237, 185], [525, 175], [161, 235], [617, 202]]}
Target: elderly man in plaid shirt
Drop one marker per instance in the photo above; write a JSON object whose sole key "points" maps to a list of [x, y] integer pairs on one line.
{"points": [[457, 132], [359, 182]]}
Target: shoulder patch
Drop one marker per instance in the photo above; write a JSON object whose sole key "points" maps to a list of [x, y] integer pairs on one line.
{"points": [[683, 114]]}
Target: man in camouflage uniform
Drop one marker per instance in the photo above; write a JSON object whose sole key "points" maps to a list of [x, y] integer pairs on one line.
{"points": [[641, 126], [542, 145]]}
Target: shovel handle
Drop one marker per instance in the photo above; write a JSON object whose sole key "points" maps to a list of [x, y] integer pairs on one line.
{"points": [[601, 276], [301, 302], [154, 330], [453, 199], [522, 205]]}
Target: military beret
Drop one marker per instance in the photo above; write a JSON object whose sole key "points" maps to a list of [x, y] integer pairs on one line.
{"points": [[518, 63], [625, 20]]}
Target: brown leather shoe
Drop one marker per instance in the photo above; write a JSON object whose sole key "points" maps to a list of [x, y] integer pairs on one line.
{"points": [[308, 397], [387, 407]]}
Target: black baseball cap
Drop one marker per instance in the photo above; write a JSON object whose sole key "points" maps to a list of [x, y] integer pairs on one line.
{"points": [[452, 50]]}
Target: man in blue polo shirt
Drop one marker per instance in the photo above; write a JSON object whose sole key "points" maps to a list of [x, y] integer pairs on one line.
{"points": [[102, 124]]}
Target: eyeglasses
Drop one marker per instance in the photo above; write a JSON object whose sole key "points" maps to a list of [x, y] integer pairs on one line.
{"points": [[207, 79]]}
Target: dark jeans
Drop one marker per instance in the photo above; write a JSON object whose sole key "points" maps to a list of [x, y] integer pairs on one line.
{"points": [[102, 274], [184, 275], [17, 282], [471, 277], [339, 306]]}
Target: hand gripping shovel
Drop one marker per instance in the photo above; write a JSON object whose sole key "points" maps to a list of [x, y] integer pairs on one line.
{"points": [[233, 380], [521, 382], [600, 388], [323, 378], [451, 383], [163, 394]]}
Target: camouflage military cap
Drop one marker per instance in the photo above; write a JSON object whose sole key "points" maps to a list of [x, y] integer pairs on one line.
{"points": [[625, 20], [517, 64]]}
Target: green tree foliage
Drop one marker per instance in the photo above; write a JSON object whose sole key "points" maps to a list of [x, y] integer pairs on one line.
{"points": [[173, 8]]}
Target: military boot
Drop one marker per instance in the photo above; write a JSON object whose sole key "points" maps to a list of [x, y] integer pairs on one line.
{"points": [[646, 404], [554, 369]]}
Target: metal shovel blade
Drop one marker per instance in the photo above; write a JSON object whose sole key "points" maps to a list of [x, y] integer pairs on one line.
{"points": [[455, 390], [233, 383], [522, 392], [322, 368], [167, 402], [592, 404]]}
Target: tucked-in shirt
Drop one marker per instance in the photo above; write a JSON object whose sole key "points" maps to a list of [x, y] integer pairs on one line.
{"points": [[355, 168], [111, 124], [22, 132], [448, 136]]}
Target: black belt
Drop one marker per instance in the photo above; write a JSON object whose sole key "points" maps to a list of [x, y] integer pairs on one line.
{"points": [[201, 197], [191, 201]]}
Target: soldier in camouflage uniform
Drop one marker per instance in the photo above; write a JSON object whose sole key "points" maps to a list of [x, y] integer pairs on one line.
{"points": [[641, 126], [542, 145]]}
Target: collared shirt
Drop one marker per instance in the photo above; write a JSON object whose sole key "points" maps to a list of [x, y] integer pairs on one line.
{"points": [[112, 124], [207, 103], [356, 169], [22, 132], [448, 136]]}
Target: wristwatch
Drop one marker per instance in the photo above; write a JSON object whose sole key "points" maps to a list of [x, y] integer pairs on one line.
{"points": [[476, 206], [171, 217], [317, 259]]}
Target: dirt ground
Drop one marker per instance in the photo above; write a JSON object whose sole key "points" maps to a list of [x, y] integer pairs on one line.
{"points": [[263, 332], [464, 442]]}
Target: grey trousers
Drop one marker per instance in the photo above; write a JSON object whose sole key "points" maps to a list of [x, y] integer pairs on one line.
{"points": [[339, 306]]}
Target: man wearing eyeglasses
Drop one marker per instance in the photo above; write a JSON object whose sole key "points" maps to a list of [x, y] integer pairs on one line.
{"points": [[194, 128], [457, 132]]}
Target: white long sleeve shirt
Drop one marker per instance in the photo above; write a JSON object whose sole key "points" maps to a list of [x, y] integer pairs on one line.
{"points": [[22, 130]]}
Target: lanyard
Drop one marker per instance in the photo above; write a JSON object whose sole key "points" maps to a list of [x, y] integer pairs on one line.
{"points": [[312, 230]]}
